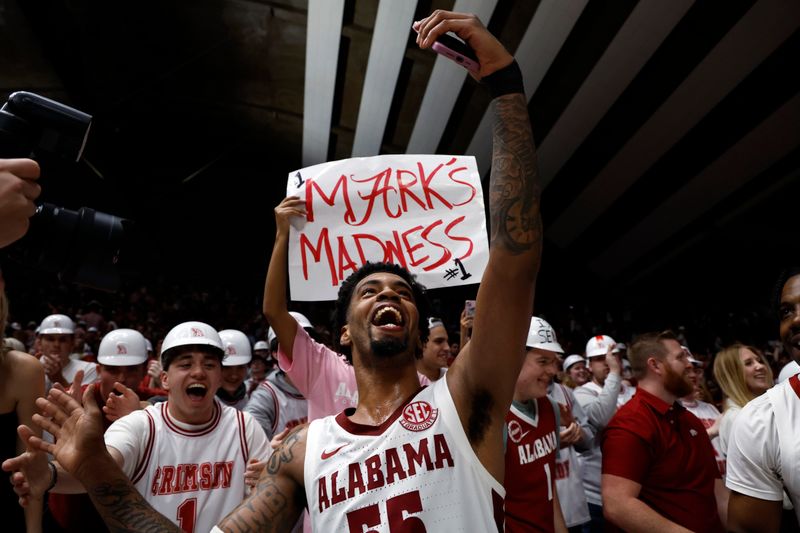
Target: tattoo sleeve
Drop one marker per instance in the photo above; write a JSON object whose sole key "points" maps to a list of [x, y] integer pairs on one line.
{"points": [[123, 509], [276, 502], [515, 189]]}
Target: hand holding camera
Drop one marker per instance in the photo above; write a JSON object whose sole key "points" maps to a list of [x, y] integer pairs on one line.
{"points": [[18, 190]]}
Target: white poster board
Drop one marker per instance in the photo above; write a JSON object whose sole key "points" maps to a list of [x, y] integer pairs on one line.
{"points": [[424, 212]]}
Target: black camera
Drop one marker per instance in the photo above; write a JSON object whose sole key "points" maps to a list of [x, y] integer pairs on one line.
{"points": [[84, 246]]}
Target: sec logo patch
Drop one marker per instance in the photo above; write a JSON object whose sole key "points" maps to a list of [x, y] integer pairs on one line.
{"points": [[418, 416]]}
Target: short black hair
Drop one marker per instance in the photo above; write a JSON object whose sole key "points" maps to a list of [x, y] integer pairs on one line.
{"points": [[346, 293], [168, 356], [785, 275]]}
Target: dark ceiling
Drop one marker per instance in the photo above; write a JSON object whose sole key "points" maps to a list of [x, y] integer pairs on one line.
{"points": [[668, 132]]}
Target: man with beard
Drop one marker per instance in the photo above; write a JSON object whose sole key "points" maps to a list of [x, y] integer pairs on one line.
{"points": [[764, 452], [659, 472], [386, 464]]}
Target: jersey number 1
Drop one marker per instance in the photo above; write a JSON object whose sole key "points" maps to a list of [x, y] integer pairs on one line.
{"points": [[396, 507], [187, 512]]}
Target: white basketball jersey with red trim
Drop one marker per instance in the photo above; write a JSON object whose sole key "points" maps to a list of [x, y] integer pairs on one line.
{"points": [[785, 400], [415, 472], [196, 477]]}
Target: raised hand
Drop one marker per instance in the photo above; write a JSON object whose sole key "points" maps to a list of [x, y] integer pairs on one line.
{"points": [[78, 430], [289, 207], [31, 474], [118, 406]]}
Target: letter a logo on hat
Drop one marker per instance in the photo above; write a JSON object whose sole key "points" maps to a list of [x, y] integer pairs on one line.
{"points": [[197, 332], [230, 349], [121, 349]]}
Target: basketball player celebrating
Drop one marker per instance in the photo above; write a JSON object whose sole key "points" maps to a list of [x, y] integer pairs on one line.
{"points": [[387, 463], [764, 452], [187, 456]]}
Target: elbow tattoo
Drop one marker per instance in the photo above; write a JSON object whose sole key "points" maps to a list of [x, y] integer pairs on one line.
{"points": [[515, 189]]}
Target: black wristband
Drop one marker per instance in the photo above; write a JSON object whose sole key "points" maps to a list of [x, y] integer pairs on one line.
{"points": [[507, 80], [53, 476]]}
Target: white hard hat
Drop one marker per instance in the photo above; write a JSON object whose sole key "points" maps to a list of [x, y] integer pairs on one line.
{"points": [[301, 319], [57, 325], [236, 346], [14, 344], [789, 369], [541, 335], [122, 347], [189, 333], [270, 337], [598, 345], [261, 345], [572, 359]]}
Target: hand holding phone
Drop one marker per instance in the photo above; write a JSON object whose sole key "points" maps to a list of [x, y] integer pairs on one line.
{"points": [[469, 308], [456, 50]]}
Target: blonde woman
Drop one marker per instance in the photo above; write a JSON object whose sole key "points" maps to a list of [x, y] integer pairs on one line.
{"points": [[21, 382], [742, 374]]}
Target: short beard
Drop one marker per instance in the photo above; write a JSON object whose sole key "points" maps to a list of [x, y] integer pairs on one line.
{"points": [[388, 347], [677, 384]]}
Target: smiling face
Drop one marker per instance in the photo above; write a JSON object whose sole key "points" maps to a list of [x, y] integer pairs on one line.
{"points": [[192, 380], [789, 313], [436, 351], [382, 317], [233, 377], [755, 372], [537, 371], [579, 373]]}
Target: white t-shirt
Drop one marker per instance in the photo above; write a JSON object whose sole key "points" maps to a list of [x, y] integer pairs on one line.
{"points": [[415, 470], [193, 475], [764, 451], [708, 414]]}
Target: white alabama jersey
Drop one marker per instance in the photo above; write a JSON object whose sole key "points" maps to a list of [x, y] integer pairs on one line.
{"points": [[193, 475], [415, 472], [708, 414], [764, 453]]}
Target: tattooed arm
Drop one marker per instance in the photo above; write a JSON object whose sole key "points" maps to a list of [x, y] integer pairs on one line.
{"points": [[278, 499], [482, 383], [81, 451]]}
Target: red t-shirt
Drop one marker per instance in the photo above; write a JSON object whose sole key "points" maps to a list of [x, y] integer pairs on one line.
{"points": [[531, 449], [665, 449]]}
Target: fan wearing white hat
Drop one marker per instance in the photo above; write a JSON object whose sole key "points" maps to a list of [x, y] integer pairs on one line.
{"points": [[575, 368], [121, 359], [435, 351], [233, 391], [600, 398], [56, 338], [187, 456], [276, 403], [532, 443]]}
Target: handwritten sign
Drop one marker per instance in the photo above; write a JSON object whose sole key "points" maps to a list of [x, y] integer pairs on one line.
{"points": [[424, 212]]}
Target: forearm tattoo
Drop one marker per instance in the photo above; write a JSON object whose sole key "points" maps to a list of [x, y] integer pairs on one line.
{"points": [[515, 188], [123, 509], [273, 505]]}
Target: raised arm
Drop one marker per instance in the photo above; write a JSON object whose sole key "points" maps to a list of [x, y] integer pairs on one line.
{"points": [[278, 499], [275, 301], [482, 380]]}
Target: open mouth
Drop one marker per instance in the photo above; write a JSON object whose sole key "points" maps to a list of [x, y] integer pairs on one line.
{"points": [[387, 317], [197, 390]]}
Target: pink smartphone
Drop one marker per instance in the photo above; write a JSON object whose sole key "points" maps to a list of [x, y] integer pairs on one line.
{"points": [[456, 50], [469, 308]]}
